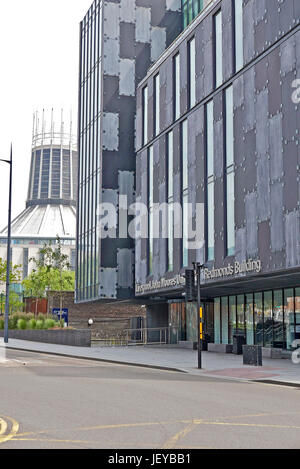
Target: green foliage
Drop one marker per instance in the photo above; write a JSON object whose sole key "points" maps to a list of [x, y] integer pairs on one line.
{"points": [[15, 272], [1, 324], [49, 324], [31, 324], [41, 317], [40, 324], [22, 324]]}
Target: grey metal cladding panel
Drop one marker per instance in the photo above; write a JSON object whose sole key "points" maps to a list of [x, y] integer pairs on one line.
{"points": [[286, 16], [288, 55], [276, 147], [199, 62], [238, 91], [127, 77], [277, 230], [138, 175], [176, 149], [296, 4], [262, 131], [249, 85], [111, 100], [219, 149], [260, 37], [263, 188], [125, 259], [264, 243], [240, 245], [251, 224], [219, 222], [162, 241], [272, 25], [250, 171], [183, 78], [248, 31], [261, 75], [291, 176], [259, 10], [208, 68], [156, 153], [127, 11], [144, 182], [162, 159], [239, 154], [163, 112], [111, 54], [227, 39], [111, 23], [139, 128], [218, 106], [108, 283], [200, 196], [292, 239], [110, 134], [173, 5], [289, 109], [274, 82], [158, 42], [143, 24], [126, 185], [240, 197]]}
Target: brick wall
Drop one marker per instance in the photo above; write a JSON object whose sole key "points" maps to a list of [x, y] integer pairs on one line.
{"points": [[110, 319]]}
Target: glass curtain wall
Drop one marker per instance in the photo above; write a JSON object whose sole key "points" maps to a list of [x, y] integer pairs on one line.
{"points": [[90, 108], [218, 42], [239, 34], [190, 9], [176, 86], [192, 72]]}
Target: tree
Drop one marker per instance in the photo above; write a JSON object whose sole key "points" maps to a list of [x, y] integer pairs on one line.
{"points": [[52, 273], [15, 272]]}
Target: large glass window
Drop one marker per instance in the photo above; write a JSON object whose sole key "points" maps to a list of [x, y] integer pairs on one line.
{"points": [[190, 9], [241, 315], [230, 192], [268, 319], [297, 313], [232, 319], [217, 320], [249, 316], [145, 115], [278, 319], [176, 81], [210, 181], [192, 72], [218, 49], [150, 200], [185, 194], [156, 105], [259, 319], [225, 320], [239, 34], [170, 200], [289, 317]]}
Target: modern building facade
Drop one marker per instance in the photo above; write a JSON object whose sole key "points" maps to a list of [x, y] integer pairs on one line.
{"points": [[218, 125], [119, 40], [51, 203]]}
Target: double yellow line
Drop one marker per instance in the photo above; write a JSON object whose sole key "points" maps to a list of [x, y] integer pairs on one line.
{"points": [[4, 436]]}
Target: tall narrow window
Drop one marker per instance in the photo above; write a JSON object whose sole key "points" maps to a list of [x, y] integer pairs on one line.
{"points": [[170, 200], [150, 204], [218, 49], [210, 181], [229, 168], [176, 81], [239, 34], [145, 115], [192, 72], [185, 194], [156, 105]]}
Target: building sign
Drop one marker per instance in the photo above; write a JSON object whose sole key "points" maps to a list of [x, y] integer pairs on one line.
{"points": [[235, 268], [161, 284]]}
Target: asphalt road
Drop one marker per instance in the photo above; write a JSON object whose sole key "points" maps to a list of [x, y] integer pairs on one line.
{"points": [[56, 402]]}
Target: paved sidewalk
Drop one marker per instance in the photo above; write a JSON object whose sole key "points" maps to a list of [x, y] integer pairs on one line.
{"points": [[214, 364]]}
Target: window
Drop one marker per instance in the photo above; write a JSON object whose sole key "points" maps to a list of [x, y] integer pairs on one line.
{"points": [[145, 115], [239, 34], [210, 180], [218, 42], [229, 168], [192, 72], [185, 194], [156, 105], [176, 89], [150, 203], [170, 200], [190, 9]]}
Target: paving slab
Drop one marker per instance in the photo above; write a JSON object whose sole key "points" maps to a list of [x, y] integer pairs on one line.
{"points": [[171, 358]]}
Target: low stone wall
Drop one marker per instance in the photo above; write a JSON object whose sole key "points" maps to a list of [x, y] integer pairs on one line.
{"points": [[75, 338]]}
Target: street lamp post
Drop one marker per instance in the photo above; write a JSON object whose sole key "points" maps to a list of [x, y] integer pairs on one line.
{"points": [[8, 259], [197, 270]]}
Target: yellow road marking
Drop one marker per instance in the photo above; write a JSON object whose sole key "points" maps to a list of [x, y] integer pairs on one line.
{"points": [[171, 443], [14, 430], [3, 426]]}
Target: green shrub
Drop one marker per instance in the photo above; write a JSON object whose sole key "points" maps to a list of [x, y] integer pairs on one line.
{"points": [[22, 324], [39, 324], [1, 324], [31, 324], [49, 323], [41, 317]]}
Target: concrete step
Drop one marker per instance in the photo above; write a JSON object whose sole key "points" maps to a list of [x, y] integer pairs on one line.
{"points": [[188, 344]]}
